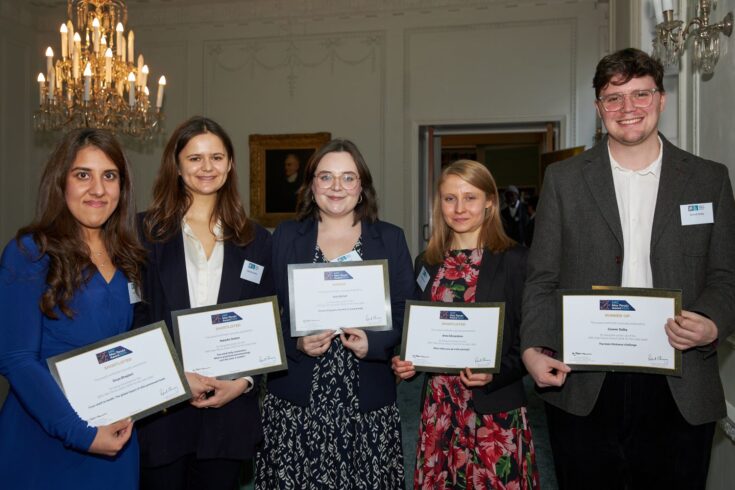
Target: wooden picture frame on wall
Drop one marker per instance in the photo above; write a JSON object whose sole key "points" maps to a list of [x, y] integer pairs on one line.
{"points": [[277, 163]]}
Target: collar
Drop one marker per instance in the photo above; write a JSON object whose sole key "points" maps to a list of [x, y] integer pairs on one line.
{"points": [[654, 168], [186, 229]]}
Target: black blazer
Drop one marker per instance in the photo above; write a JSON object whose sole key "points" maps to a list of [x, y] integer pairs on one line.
{"points": [[294, 243], [233, 430], [501, 279]]}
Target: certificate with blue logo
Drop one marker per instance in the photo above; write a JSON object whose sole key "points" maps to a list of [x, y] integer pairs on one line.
{"points": [[134, 374], [619, 329], [231, 340], [446, 338], [331, 296]]}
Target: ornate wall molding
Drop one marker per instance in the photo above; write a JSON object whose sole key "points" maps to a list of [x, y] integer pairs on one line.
{"points": [[295, 54]]}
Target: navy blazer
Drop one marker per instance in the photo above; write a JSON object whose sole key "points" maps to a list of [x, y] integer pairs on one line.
{"points": [[294, 243], [500, 280], [233, 430]]}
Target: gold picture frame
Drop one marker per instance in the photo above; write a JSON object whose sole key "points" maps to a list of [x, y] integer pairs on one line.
{"points": [[273, 183]]}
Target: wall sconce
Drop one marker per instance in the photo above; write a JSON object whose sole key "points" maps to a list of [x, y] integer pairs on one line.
{"points": [[672, 35]]}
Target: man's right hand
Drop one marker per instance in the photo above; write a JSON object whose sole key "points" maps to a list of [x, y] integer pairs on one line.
{"points": [[545, 371]]}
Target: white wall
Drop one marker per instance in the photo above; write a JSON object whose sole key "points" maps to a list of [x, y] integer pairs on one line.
{"points": [[370, 71], [715, 106]]}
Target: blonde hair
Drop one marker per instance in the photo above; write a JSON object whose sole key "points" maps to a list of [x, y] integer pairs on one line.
{"points": [[492, 235]]}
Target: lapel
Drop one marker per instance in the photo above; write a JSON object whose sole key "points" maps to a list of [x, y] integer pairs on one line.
{"points": [[305, 241], [674, 177], [491, 264], [372, 246], [598, 176], [230, 283], [172, 271]]}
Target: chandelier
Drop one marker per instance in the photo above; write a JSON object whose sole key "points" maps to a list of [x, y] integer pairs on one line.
{"points": [[97, 81], [672, 35]]}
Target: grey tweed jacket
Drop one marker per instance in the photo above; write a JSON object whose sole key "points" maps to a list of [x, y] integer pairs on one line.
{"points": [[578, 243]]}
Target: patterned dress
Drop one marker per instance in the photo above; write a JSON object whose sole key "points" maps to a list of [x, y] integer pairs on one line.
{"points": [[330, 444], [459, 448]]}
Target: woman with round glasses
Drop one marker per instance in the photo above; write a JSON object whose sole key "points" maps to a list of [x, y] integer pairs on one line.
{"points": [[473, 431], [331, 420]]}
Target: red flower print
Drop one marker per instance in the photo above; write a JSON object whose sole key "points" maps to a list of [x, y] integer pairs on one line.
{"points": [[456, 267], [476, 256], [434, 481], [493, 442], [483, 478], [469, 294], [457, 392]]}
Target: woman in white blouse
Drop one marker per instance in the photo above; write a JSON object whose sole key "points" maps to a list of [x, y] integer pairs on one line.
{"points": [[198, 239]]}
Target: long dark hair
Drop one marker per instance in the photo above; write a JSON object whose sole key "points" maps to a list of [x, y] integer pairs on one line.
{"points": [[58, 234], [367, 206], [492, 236], [171, 198]]}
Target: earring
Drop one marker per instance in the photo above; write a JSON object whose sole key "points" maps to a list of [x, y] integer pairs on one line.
{"points": [[359, 200]]}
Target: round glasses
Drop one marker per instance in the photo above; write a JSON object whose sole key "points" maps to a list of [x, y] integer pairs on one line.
{"points": [[639, 98], [348, 180]]}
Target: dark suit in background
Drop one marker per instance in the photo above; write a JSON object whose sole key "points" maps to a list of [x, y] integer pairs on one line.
{"points": [[232, 431]]}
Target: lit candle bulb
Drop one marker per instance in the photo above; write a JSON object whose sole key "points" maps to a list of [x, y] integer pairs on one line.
{"points": [[96, 34], [41, 82], [131, 46], [667, 5], [159, 96], [131, 89], [49, 61], [139, 71], [119, 40], [75, 55], [144, 76], [87, 81], [70, 36], [64, 41], [108, 67]]}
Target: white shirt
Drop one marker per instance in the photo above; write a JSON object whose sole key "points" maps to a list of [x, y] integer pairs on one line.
{"points": [[636, 191], [204, 275]]}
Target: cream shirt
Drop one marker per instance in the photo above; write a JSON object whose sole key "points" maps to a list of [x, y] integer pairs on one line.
{"points": [[636, 193], [204, 275]]}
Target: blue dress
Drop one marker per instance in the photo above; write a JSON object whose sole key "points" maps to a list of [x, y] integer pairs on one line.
{"points": [[44, 442]]}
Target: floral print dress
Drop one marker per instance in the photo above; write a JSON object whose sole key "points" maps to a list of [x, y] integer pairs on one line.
{"points": [[330, 444], [459, 448]]}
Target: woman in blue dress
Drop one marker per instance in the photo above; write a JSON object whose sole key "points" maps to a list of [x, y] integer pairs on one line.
{"points": [[64, 284], [331, 420]]}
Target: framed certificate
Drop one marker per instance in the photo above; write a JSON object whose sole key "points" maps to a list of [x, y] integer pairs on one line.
{"points": [[132, 375], [619, 329], [446, 337], [339, 295], [231, 340]]}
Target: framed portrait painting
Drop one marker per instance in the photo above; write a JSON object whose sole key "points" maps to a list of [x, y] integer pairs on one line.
{"points": [[277, 163]]}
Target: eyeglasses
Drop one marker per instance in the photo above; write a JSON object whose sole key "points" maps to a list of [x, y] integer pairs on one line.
{"points": [[325, 180], [639, 98]]}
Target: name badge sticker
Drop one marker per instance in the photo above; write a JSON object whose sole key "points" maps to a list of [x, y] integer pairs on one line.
{"points": [[696, 214], [133, 293], [423, 278], [348, 257], [251, 272]]}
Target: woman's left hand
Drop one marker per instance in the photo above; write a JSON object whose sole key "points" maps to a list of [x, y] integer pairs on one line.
{"points": [[225, 391], [474, 380], [356, 340]]}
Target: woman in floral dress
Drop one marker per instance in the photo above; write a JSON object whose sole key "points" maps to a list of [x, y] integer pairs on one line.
{"points": [[474, 431]]}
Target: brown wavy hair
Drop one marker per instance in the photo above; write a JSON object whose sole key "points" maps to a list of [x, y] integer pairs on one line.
{"points": [[366, 208], [492, 235], [171, 198], [58, 234]]}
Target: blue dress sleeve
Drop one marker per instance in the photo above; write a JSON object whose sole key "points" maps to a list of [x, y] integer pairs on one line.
{"points": [[22, 282]]}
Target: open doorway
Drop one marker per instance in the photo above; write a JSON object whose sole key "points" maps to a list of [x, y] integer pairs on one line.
{"points": [[512, 152]]}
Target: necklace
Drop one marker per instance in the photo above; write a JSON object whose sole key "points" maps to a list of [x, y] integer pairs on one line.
{"points": [[97, 259]]}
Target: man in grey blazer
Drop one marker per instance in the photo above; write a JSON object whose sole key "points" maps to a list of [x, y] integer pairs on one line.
{"points": [[617, 215]]}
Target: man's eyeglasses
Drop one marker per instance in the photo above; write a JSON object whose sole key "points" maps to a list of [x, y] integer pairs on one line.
{"points": [[325, 180], [639, 98]]}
